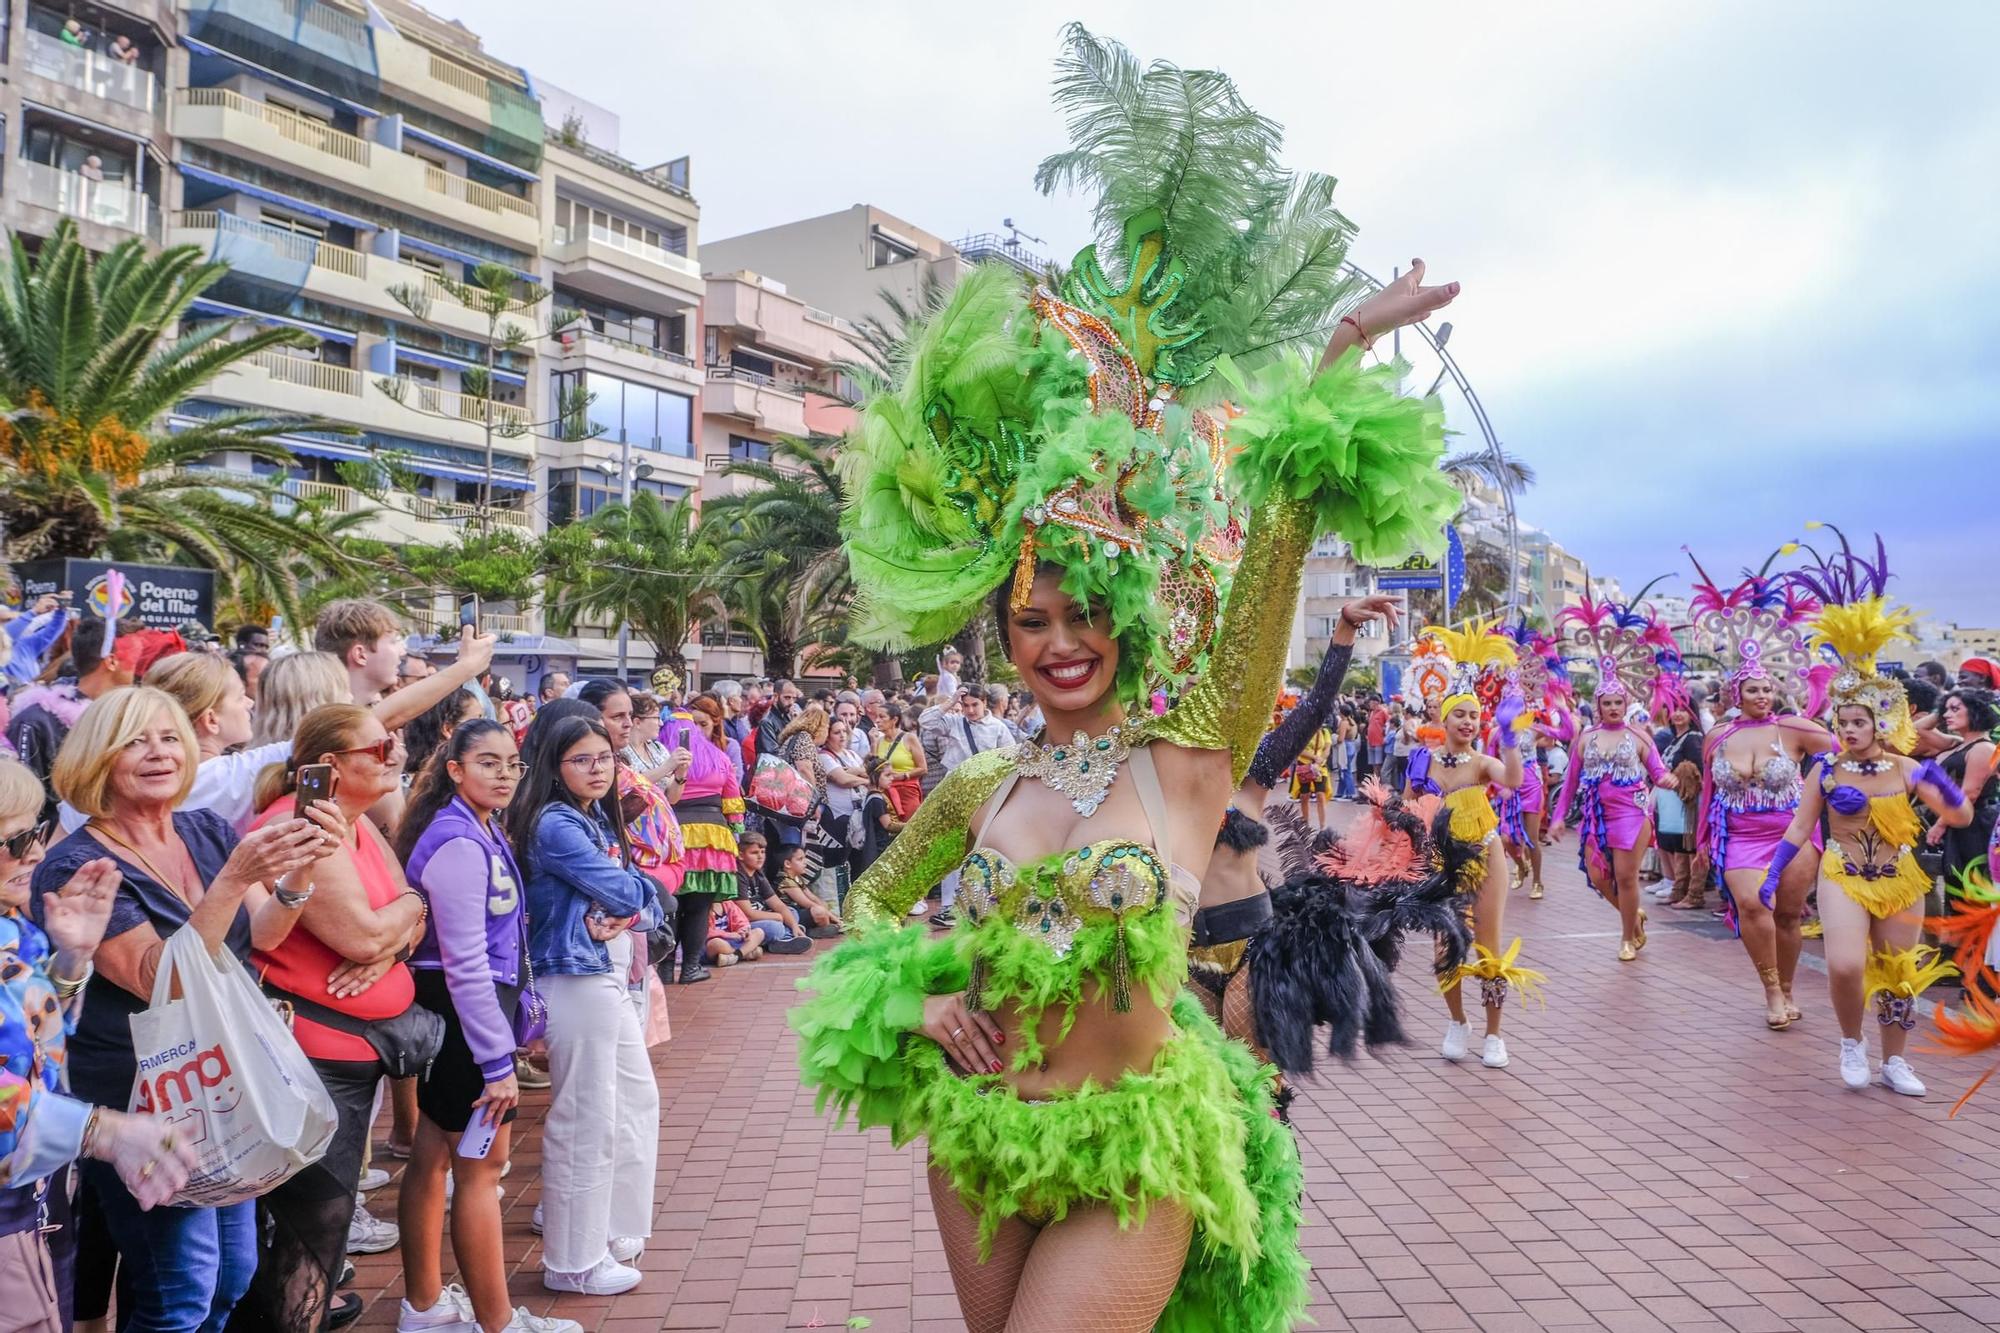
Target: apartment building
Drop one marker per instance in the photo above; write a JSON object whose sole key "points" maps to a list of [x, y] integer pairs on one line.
{"points": [[843, 262], [1332, 579]]}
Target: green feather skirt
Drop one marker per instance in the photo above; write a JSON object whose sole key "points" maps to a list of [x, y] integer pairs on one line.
{"points": [[1197, 1130]]}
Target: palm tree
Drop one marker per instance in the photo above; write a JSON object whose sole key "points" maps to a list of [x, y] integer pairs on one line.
{"points": [[1504, 473], [881, 354], [89, 369], [783, 568], [650, 565]]}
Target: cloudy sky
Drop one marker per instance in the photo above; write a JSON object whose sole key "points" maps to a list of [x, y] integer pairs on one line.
{"points": [[1728, 267]]}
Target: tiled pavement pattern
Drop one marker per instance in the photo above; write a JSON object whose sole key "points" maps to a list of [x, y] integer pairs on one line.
{"points": [[1653, 1159]]}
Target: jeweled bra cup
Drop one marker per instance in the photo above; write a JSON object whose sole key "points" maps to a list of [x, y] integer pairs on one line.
{"points": [[1051, 898], [1054, 898]]}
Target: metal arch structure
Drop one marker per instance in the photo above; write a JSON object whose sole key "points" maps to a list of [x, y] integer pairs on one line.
{"points": [[1458, 378]]}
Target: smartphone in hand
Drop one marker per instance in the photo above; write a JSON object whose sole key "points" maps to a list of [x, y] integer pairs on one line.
{"points": [[315, 784]]}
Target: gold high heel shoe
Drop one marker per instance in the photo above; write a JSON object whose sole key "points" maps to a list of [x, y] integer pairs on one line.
{"points": [[1536, 892], [1627, 951], [1640, 942]]}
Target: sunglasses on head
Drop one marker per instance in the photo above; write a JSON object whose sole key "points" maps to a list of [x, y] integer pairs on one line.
{"points": [[383, 749], [19, 845]]}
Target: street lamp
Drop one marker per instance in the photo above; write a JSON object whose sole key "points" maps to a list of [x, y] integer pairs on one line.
{"points": [[626, 474]]}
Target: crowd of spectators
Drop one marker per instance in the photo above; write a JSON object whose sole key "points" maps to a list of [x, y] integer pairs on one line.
{"points": [[458, 884]]}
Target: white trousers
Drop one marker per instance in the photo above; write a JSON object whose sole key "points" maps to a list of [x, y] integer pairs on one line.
{"points": [[601, 1144]]}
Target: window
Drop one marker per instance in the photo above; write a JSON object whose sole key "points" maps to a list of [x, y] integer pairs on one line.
{"points": [[636, 414], [885, 250], [743, 449], [580, 220]]}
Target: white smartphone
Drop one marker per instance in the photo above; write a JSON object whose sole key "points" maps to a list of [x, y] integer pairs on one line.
{"points": [[478, 1138]]}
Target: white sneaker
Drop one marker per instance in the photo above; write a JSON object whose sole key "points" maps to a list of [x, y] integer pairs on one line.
{"points": [[369, 1234], [453, 1310], [1664, 891], [523, 1322], [607, 1278], [625, 1249], [374, 1178], [535, 1222], [1457, 1042], [922, 907], [1853, 1063], [1494, 1053], [1897, 1076]]}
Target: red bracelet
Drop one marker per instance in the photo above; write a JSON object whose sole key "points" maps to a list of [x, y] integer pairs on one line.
{"points": [[1367, 343]]}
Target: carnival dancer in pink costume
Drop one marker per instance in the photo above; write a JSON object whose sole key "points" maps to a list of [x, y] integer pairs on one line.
{"points": [[1610, 763], [1522, 810], [1752, 767]]}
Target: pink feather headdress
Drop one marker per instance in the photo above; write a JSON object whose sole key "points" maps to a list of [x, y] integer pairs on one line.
{"points": [[1761, 624]]}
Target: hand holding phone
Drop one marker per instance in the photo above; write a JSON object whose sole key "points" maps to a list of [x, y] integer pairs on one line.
{"points": [[315, 783]]}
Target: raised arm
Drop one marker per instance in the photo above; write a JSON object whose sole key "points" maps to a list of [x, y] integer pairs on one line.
{"points": [[1229, 706], [475, 654]]}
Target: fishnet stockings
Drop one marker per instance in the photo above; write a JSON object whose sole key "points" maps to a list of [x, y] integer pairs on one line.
{"points": [[1238, 1018], [1080, 1275]]}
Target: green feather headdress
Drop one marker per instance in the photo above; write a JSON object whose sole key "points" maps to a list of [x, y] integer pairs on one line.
{"points": [[1031, 426]]}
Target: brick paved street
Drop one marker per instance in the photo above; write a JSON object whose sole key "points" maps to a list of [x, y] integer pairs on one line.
{"points": [[1653, 1159]]}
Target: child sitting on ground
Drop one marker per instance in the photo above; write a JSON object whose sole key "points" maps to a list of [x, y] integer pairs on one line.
{"points": [[731, 936], [760, 901], [794, 874]]}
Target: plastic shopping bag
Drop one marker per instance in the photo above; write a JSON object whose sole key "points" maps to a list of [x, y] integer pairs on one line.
{"points": [[220, 1066]]}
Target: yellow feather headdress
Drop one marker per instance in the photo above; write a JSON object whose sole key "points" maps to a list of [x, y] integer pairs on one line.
{"points": [[1855, 622], [1450, 664]]}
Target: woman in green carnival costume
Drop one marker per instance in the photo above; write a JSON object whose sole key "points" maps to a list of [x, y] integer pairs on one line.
{"points": [[1101, 1158]]}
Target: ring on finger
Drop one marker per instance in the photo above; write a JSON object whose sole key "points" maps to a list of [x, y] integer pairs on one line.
{"points": [[958, 1034]]}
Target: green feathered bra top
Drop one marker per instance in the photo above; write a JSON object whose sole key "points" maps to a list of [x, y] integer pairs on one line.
{"points": [[1109, 914]]}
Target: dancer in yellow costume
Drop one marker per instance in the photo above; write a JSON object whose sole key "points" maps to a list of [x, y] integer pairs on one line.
{"points": [[1101, 1157], [1448, 666], [1871, 890]]}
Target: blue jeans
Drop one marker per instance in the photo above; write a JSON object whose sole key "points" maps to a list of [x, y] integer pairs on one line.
{"points": [[1346, 790], [775, 932], [189, 1266]]}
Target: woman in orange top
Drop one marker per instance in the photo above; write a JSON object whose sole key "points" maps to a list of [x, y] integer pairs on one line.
{"points": [[345, 957]]}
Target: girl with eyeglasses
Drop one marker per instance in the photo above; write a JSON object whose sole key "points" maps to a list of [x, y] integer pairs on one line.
{"points": [[340, 969], [584, 900], [471, 966]]}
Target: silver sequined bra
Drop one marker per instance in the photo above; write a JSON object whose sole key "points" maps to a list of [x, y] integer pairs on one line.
{"points": [[1774, 784], [1621, 766]]}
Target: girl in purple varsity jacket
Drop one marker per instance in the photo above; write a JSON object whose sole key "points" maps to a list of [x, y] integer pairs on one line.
{"points": [[470, 967]]}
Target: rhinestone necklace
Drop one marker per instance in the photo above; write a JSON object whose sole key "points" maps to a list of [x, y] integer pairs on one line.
{"points": [[1450, 760], [1866, 767], [1083, 770]]}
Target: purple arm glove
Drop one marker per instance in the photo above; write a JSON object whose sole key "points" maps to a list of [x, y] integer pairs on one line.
{"points": [[1787, 852], [1928, 771], [1509, 712]]}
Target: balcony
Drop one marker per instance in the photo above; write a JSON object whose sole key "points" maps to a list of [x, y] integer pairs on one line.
{"points": [[339, 275], [288, 385], [763, 309], [88, 71], [775, 407], [109, 203], [582, 343], [603, 263], [287, 142], [430, 620], [450, 511], [430, 399]]}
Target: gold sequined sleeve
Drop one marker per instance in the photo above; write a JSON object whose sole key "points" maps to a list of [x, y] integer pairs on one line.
{"points": [[931, 845], [1229, 707]]}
